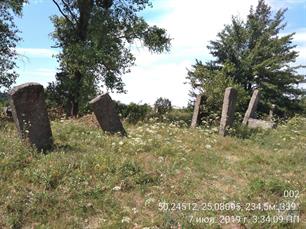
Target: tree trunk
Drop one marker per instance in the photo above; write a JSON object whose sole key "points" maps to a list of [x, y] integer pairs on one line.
{"points": [[75, 100], [74, 108], [85, 8]]}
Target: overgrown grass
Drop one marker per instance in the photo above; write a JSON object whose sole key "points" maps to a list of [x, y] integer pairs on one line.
{"points": [[93, 180]]}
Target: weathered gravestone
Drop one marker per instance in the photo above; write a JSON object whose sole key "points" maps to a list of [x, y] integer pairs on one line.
{"points": [[270, 117], [256, 123], [250, 113], [249, 117], [196, 111], [105, 112], [30, 115], [228, 110]]}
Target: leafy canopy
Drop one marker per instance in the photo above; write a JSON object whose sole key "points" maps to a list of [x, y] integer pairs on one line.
{"points": [[8, 40], [162, 105], [96, 38]]}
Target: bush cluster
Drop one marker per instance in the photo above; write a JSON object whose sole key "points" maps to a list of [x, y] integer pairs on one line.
{"points": [[133, 112]]}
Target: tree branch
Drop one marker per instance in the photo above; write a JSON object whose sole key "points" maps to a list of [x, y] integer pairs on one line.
{"points": [[68, 9], [61, 11]]}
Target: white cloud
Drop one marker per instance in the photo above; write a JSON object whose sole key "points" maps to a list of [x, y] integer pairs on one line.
{"points": [[36, 1], [300, 36], [277, 4], [146, 84], [38, 75], [191, 24], [36, 52], [302, 53], [43, 72]]}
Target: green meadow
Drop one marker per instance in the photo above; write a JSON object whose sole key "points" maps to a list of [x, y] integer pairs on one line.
{"points": [[163, 175]]}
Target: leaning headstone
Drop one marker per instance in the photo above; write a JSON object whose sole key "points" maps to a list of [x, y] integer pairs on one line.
{"points": [[30, 115], [250, 113], [256, 123], [196, 111], [228, 110], [105, 112]]}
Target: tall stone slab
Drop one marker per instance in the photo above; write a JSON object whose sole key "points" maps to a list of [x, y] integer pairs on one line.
{"points": [[196, 111], [250, 113], [105, 112], [30, 115], [228, 109]]}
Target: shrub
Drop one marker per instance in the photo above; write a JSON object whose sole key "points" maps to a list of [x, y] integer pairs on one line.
{"points": [[162, 105], [133, 112], [180, 115]]}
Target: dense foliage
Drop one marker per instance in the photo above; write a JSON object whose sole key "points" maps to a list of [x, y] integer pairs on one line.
{"points": [[95, 38], [211, 83], [133, 112], [253, 54], [162, 105], [59, 94], [8, 40]]}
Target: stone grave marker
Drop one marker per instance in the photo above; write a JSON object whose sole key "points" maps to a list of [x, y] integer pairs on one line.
{"points": [[105, 112], [228, 110], [250, 113], [30, 115], [256, 123], [196, 111]]}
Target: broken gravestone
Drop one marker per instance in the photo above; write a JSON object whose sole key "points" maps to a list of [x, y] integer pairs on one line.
{"points": [[249, 117], [105, 112], [30, 115], [228, 109], [250, 113], [196, 111], [256, 123]]}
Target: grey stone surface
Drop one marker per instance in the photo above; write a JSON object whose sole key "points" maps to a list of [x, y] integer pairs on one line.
{"points": [[105, 112], [256, 123], [196, 111], [250, 113], [228, 109], [30, 115], [7, 111], [271, 112]]}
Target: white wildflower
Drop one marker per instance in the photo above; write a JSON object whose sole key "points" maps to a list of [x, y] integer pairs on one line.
{"points": [[208, 146], [125, 219], [134, 210], [116, 188], [149, 201]]}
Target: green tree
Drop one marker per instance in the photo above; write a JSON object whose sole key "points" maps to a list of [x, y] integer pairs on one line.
{"points": [[162, 105], [253, 54], [8, 40], [60, 93], [211, 82], [95, 37]]}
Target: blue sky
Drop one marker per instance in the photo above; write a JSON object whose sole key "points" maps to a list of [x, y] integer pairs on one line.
{"points": [[191, 24]]}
